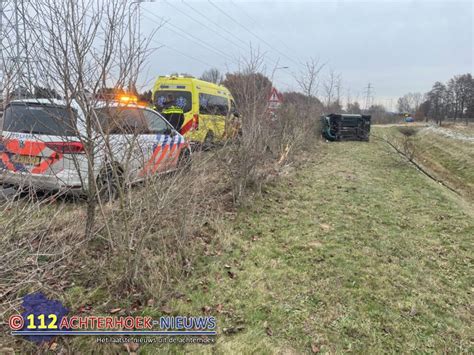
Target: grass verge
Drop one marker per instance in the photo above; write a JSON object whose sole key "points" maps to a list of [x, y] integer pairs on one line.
{"points": [[355, 252]]}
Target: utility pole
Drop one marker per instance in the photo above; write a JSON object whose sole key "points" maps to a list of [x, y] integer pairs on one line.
{"points": [[9, 47], [131, 39], [2, 61], [368, 97], [15, 58], [17, 52]]}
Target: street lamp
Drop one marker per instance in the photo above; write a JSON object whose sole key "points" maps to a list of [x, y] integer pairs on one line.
{"points": [[137, 3], [277, 68]]}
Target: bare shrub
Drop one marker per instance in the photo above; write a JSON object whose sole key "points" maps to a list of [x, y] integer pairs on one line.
{"points": [[408, 131], [151, 235], [402, 140], [269, 139], [251, 89], [157, 235], [166, 224], [80, 51], [406, 142], [296, 129]]}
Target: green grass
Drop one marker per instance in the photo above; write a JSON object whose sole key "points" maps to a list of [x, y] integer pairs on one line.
{"points": [[460, 127], [356, 251], [450, 159]]}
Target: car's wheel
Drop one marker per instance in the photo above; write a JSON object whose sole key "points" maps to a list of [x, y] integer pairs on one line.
{"points": [[184, 160], [109, 184], [25, 191], [208, 140]]}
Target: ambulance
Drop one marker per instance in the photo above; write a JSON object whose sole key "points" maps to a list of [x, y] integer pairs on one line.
{"points": [[209, 110]]}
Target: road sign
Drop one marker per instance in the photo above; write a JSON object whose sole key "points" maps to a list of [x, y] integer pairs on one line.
{"points": [[275, 100]]}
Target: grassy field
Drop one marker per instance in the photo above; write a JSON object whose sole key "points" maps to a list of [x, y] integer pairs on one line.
{"points": [[356, 251], [352, 250], [460, 127], [450, 160]]}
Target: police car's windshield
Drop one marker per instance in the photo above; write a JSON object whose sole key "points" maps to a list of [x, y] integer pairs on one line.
{"points": [[40, 119], [167, 98], [130, 120]]}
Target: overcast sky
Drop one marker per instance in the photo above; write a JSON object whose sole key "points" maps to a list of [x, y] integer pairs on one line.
{"points": [[397, 46]]}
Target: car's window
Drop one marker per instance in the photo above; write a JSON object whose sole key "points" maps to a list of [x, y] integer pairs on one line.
{"points": [[122, 120], [40, 119], [166, 98], [155, 122], [213, 105]]}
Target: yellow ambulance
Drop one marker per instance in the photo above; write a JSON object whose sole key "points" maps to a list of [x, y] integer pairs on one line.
{"points": [[208, 109]]}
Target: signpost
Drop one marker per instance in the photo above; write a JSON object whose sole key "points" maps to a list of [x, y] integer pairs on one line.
{"points": [[275, 100]]}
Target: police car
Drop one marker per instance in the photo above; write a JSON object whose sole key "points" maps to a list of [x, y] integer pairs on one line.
{"points": [[42, 145]]}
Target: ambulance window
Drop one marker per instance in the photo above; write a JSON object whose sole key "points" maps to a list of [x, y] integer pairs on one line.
{"points": [[213, 105], [166, 98]]}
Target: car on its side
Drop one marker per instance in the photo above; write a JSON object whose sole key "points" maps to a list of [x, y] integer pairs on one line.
{"points": [[43, 145], [345, 127]]}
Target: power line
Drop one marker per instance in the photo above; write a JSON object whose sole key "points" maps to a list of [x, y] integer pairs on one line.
{"points": [[15, 55], [252, 33], [201, 23], [199, 41], [179, 52], [166, 45], [368, 98], [214, 23], [256, 22], [217, 25]]}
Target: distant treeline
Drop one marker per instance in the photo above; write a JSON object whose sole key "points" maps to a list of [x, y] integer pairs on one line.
{"points": [[451, 101]]}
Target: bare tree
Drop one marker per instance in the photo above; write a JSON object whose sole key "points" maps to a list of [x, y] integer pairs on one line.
{"points": [[308, 78], [353, 107], [80, 49], [212, 75], [460, 88], [410, 102], [332, 87], [417, 99], [378, 113], [437, 98]]}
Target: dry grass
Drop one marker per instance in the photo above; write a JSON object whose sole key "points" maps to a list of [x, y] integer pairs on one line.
{"points": [[149, 240], [448, 159], [408, 131], [352, 252]]}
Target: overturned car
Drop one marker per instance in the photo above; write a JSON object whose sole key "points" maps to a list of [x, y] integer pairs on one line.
{"points": [[345, 127]]}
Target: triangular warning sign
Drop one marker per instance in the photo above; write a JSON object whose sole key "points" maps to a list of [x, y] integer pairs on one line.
{"points": [[275, 96]]}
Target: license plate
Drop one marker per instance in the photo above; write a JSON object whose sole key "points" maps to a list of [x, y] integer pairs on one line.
{"points": [[26, 159]]}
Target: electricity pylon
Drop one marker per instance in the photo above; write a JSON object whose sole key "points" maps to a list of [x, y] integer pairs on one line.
{"points": [[16, 70]]}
